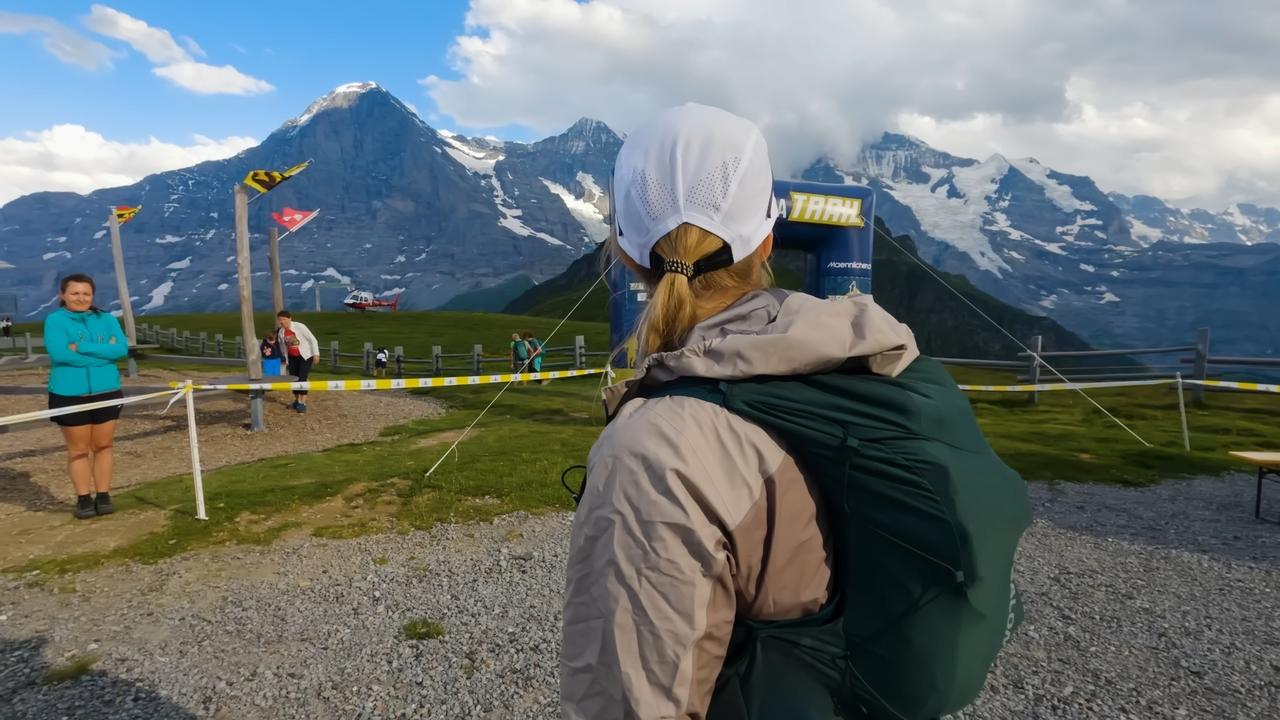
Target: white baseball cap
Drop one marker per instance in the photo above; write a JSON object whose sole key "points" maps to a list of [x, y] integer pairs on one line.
{"points": [[699, 165]]}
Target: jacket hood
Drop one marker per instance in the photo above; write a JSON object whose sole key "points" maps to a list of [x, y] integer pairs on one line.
{"points": [[779, 333]]}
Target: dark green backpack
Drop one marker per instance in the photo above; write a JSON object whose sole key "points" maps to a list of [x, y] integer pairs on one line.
{"points": [[925, 519]]}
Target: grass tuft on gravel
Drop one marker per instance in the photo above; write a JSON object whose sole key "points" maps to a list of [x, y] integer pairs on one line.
{"points": [[423, 629], [73, 670]]}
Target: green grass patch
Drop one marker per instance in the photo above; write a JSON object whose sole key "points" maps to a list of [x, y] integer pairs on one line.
{"points": [[73, 670], [1066, 438], [416, 332], [513, 457], [511, 461], [423, 629]]}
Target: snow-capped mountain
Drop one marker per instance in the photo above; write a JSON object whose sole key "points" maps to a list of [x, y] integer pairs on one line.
{"points": [[404, 209], [409, 209], [1117, 270]]}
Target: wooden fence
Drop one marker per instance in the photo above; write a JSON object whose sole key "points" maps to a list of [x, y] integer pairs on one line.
{"points": [[1203, 364], [475, 361]]}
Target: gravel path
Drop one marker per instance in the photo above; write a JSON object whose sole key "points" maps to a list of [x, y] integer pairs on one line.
{"points": [[1152, 603], [151, 444]]}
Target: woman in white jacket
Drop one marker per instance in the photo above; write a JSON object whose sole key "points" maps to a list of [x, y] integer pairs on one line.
{"points": [[300, 350]]}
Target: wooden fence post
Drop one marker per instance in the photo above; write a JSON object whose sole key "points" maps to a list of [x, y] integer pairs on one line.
{"points": [[580, 352], [437, 362], [367, 351], [217, 345], [173, 337], [333, 355], [240, 347], [27, 340], [1200, 369], [204, 343], [399, 361], [477, 359], [186, 341], [1033, 368]]}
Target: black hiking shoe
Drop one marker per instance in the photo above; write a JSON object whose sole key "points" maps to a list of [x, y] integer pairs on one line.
{"points": [[102, 503], [84, 508], [301, 407]]}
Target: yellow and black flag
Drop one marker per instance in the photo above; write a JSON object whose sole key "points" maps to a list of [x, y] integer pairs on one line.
{"points": [[264, 180], [124, 213]]}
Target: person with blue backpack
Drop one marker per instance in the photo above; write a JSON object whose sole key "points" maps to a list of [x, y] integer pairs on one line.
{"points": [[790, 513], [83, 344]]}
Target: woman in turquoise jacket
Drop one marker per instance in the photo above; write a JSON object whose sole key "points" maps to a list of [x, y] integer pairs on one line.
{"points": [[84, 344]]}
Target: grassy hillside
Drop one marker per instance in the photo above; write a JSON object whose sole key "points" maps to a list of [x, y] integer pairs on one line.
{"points": [[491, 299], [943, 325], [416, 331], [555, 297]]}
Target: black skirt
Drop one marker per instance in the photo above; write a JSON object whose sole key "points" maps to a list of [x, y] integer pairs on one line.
{"points": [[85, 417]]}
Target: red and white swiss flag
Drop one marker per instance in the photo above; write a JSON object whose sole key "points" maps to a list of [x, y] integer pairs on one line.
{"points": [[293, 219]]}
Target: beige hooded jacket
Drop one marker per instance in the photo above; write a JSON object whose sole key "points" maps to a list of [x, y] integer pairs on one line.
{"points": [[692, 515]]}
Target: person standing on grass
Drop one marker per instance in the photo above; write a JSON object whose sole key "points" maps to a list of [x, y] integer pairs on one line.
{"points": [[6, 324], [301, 349], [380, 359], [519, 353], [535, 352], [83, 344]]}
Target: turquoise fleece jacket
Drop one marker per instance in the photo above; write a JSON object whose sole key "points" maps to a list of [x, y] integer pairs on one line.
{"points": [[90, 368]]}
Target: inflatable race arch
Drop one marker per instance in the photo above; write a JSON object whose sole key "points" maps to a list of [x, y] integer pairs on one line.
{"points": [[833, 225]]}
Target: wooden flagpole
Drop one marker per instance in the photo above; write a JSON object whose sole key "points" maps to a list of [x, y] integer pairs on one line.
{"points": [[122, 284], [273, 258], [253, 360]]}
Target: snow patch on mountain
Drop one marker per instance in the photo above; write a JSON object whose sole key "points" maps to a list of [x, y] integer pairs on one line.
{"points": [[957, 220], [1057, 193], [340, 97], [52, 255], [1069, 232], [158, 294], [179, 265], [98, 235], [584, 212], [168, 240], [333, 273]]}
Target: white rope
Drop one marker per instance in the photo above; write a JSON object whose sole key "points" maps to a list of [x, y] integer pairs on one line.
{"points": [[1016, 341], [572, 310]]}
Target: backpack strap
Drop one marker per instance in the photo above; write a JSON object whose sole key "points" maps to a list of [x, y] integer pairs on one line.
{"points": [[705, 389]]}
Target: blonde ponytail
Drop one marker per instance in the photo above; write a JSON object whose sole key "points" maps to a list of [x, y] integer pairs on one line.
{"points": [[677, 303]]}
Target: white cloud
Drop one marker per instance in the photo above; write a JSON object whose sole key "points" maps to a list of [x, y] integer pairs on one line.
{"points": [[210, 80], [73, 158], [1144, 99], [155, 43], [61, 41], [176, 63], [192, 46]]}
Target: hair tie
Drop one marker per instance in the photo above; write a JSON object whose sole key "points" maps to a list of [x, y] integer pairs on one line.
{"points": [[678, 266]]}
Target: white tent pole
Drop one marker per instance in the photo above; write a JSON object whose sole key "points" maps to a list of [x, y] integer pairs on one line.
{"points": [[195, 451]]}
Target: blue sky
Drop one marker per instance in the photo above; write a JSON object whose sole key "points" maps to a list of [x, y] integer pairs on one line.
{"points": [[302, 49]]}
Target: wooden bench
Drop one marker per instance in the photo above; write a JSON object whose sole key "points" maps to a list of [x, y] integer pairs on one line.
{"points": [[1268, 463]]}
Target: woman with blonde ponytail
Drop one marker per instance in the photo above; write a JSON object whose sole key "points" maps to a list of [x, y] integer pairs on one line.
{"points": [[695, 520]]}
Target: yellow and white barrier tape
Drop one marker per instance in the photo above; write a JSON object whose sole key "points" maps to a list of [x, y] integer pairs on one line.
{"points": [[398, 383], [1255, 387], [1049, 387], [46, 414]]}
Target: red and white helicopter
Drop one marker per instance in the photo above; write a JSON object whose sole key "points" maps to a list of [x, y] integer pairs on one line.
{"points": [[363, 300]]}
